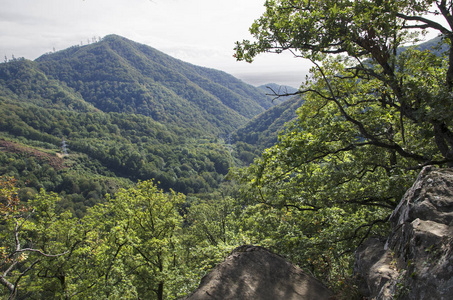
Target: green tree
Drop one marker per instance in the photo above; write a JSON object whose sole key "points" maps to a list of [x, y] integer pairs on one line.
{"points": [[147, 221], [368, 34], [373, 116], [125, 248], [29, 237], [50, 255], [212, 222], [210, 233]]}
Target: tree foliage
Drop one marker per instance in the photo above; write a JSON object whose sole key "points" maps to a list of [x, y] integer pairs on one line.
{"points": [[140, 243], [106, 151], [373, 116], [32, 235], [368, 34]]}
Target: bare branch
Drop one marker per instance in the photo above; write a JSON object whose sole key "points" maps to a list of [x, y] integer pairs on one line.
{"points": [[7, 284], [370, 227], [309, 208], [277, 95], [427, 23], [374, 201], [40, 252]]}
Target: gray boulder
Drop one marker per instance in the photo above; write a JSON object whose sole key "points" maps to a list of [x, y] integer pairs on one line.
{"points": [[255, 273], [416, 260]]}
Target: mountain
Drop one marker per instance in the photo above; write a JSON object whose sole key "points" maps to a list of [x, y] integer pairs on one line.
{"points": [[119, 75], [126, 112], [273, 88], [262, 131], [130, 112], [436, 45], [23, 81]]}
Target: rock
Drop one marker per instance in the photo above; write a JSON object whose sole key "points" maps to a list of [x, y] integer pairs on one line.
{"points": [[374, 264], [416, 261], [252, 272], [429, 198]]}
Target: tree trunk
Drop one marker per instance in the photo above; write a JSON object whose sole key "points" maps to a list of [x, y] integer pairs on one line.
{"points": [[160, 291], [444, 141]]}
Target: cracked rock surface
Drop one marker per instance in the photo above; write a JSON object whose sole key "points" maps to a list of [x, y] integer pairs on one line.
{"points": [[415, 261]]}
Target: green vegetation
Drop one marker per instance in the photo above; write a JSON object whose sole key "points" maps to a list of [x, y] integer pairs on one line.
{"points": [[139, 243], [373, 117], [140, 208], [104, 147], [136, 125], [127, 112], [118, 75], [130, 246], [262, 131]]}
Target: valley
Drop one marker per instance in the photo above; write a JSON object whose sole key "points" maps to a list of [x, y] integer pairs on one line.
{"points": [[127, 112]]}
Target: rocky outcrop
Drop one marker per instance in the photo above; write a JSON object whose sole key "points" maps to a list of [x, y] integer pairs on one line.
{"points": [[255, 273], [416, 260]]}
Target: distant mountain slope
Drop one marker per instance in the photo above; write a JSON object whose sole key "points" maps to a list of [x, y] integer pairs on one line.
{"points": [[262, 131], [273, 88], [436, 45], [118, 75], [23, 81], [127, 112], [110, 147]]}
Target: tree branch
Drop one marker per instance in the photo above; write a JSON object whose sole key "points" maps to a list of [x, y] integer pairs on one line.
{"points": [[40, 252], [16, 283], [427, 23]]}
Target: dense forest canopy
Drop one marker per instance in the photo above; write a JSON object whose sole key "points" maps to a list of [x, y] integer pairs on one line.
{"points": [[140, 206], [90, 135], [127, 112], [369, 108]]}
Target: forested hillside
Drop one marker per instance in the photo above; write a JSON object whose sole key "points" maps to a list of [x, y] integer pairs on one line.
{"points": [[128, 174], [81, 129], [127, 112], [118, 75], [107, 147], [22, 81], [262, 131]]}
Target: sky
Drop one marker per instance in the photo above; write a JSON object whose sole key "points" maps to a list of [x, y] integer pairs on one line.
{"points": [[201, 32]]}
